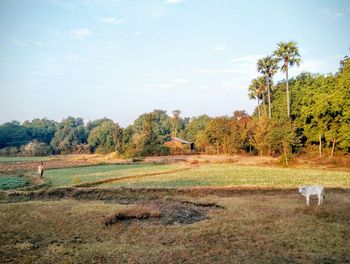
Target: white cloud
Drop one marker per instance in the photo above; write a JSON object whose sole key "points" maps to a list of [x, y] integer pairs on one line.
{"points": [[329, 13], [111, 20], [171, 2], [242, 66], [220, 46], [80, 33]]}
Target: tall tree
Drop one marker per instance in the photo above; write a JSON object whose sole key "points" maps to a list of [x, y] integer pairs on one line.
{"points": [[268, 67], [256, 91], [176, 121], [254, 94], [288, 53]]}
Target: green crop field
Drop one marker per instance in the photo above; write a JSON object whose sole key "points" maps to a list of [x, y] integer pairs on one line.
{"points": [[71, 176], [8, 183], [225, 175], [22, 159]]}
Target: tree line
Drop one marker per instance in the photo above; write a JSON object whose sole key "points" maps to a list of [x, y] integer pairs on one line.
{"points": [[310, 112], [315, 107]]}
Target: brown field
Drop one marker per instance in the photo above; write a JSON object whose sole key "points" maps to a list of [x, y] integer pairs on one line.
{"points": [[178, 225], [160, 226]]}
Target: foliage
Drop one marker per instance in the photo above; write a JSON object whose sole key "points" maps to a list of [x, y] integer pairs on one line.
{"points": [[36, 148], [106, 138], [8, 183], [70, 133], [41, 130], [13, 135], [195, 132], [228, 135]]}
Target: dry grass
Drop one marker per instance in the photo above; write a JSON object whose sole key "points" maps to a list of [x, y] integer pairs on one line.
{"points": [[251, 229], [134, 212]]}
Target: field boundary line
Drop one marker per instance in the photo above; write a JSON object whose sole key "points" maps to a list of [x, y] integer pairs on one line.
{"points": [[98, 182]]}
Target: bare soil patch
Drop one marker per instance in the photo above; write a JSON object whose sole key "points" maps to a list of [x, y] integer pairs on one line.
{"points": [[165, 212]]}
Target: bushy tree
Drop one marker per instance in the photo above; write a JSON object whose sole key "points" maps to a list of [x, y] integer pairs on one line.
{"points": [[195, 131], [13, 134], [106, 138], [36, 148], [69, 134], [41, 130]]}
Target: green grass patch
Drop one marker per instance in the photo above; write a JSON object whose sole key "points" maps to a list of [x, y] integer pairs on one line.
{"points": [[9, 183], [71, 176], [227, 175], [22, 159]]}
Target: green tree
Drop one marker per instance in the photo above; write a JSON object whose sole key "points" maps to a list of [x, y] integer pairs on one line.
{"points": [[41, 130], [69, 134], [268, 67], [13, 134], [195, 131], [106, 138], [288, 53]]}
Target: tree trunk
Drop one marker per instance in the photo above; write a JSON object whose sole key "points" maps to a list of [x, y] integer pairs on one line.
{"points": [[258, 107], [285, 154], [320, 145], [268, 95], [333, 147], [287, 85], [264, 106]]}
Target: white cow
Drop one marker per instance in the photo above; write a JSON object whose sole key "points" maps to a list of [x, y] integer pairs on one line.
{"points": [[312, 190]]}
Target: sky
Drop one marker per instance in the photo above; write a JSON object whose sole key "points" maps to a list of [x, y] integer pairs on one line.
{"points": [[122, 58]]}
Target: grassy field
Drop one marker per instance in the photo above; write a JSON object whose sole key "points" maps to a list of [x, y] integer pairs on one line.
{"points": [[247, 229], [71, 176], [225, 175], [90, 225]]}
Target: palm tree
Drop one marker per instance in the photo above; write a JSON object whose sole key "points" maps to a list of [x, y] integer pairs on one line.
{"points": [[268, 67], [254, 93], [261, 86], [288, 53], [257, 91]]}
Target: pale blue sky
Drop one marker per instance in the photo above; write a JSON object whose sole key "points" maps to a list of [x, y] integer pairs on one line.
{"points": [[119, 59]]}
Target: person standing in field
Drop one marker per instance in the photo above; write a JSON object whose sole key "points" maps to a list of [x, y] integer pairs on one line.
{"points": [[41, 170]]}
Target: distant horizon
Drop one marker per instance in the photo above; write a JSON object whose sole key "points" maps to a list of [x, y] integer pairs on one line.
{"points": [[117, 59]]}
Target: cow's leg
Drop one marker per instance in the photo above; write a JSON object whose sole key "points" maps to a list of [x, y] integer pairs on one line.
{"points": [[307, 200]]}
